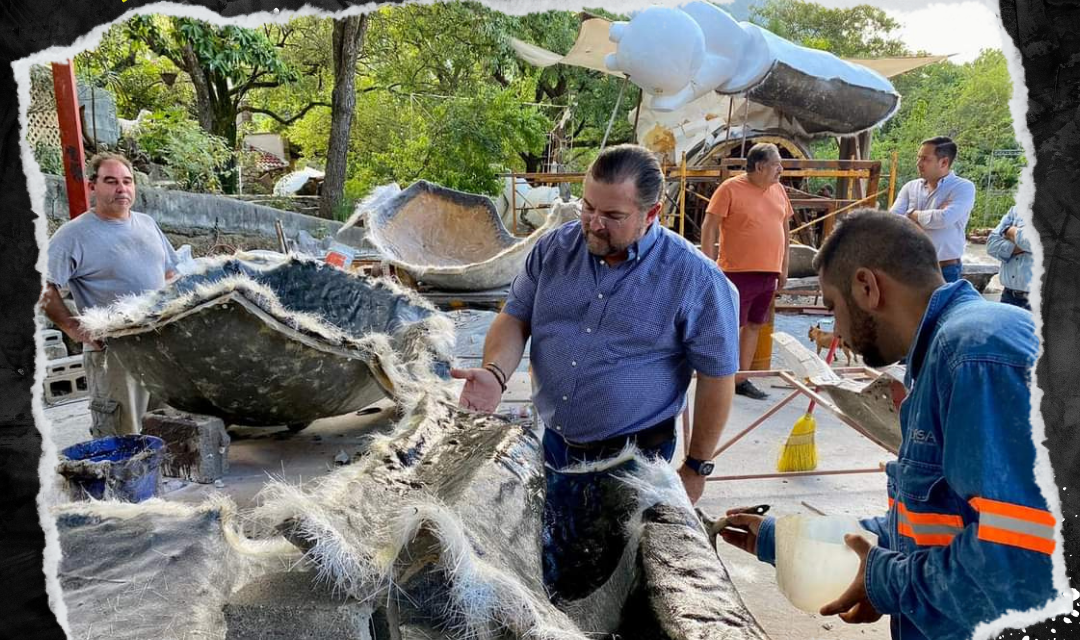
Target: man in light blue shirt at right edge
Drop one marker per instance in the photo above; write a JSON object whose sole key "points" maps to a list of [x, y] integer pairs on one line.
{"points": [[940, 202], [1009, 244]]}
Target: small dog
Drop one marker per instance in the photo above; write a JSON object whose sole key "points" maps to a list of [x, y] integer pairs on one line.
{"points": [[823, 339]]}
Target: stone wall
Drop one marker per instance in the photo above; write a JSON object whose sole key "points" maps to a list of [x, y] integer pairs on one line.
{"points": [[210, 224]]}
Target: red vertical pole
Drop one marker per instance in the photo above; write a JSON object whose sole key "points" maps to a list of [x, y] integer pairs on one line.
{"points": [[67, 112]]}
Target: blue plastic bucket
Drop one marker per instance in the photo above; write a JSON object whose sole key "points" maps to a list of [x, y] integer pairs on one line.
{"points": [[126, 468]]}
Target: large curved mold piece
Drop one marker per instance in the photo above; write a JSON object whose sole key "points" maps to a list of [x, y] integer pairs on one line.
{"points": [[448, 239], [270, 342]]}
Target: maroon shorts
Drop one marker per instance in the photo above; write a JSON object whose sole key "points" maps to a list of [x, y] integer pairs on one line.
{"points": [[756, 291]]}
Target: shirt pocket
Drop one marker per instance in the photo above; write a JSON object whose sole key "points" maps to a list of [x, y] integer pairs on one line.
{"points": [[927, 514], [630, 338]]}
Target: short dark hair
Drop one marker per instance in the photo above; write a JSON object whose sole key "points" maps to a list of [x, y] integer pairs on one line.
{"points": [[96, 162], [622, 162], [944, 147], [881, 241], [759, 153]]}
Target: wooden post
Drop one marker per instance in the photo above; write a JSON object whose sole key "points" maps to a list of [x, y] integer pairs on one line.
{"points": [[71, 147], [513, 200], [682, 195], [892, 178]]}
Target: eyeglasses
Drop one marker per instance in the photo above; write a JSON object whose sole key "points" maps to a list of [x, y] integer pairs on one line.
{"points": [[607, 222]]}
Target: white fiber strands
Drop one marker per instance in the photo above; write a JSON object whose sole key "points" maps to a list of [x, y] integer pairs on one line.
{"points": [[412, 521]]}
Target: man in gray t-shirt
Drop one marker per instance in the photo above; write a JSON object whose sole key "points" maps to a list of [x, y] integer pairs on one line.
{"points": [[106, 253]]}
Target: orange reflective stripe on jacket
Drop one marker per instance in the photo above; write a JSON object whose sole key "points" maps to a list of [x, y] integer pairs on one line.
{"points": [[1015, 525], [928, 529]]}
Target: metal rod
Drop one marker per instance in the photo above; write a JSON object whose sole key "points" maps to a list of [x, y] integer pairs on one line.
{"points": [[756, 423], [746, 118], [730, 108], [281, 236], [792, 474], [611, 120], [637, 112], [682, 197]]}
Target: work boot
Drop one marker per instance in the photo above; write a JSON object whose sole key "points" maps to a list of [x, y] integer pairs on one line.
{"points": [[747, 388]]}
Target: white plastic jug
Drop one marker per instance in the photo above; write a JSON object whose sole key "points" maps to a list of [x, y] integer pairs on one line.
{"points": [[813, 565]]}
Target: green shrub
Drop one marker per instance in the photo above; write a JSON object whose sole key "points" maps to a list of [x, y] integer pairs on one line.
{"points": [[192, 157]]}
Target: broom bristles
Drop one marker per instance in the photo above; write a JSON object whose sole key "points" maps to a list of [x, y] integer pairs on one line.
{"points": [[799, 452]]}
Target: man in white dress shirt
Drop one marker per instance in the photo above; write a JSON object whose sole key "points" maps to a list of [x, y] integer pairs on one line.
{"points": [[940, 202]]}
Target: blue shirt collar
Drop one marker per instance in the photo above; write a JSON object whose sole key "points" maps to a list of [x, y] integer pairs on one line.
{"points": [[638, 250], [943, 298], [944, 179]]}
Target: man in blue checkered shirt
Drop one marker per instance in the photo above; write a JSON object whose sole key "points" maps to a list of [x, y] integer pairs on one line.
{"points": [[620, 312]]}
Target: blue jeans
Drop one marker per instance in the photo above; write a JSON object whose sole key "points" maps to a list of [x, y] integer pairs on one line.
{"points": [[559, 456], [1008, 297], [951, 272], [583, 528]]}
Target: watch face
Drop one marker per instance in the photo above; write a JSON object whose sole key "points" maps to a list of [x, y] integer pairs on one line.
{"points": [[706, 468]]}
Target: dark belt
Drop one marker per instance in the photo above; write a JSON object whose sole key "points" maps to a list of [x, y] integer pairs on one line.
{"points": [[648, 438], [1016, 294], [949, 263]]}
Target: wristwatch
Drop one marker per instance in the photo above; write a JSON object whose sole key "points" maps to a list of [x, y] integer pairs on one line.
{"points": [[700, 467]]}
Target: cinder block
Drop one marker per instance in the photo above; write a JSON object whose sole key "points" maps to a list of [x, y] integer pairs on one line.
{"points": [[67, 386], [54, 344], [64, 366], [295, 605], [196, 446]]}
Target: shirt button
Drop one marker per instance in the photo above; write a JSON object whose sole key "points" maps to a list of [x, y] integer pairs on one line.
{"points": [[565, 398], [588, 329], [558, 427], [600, 295], [573, 363]]}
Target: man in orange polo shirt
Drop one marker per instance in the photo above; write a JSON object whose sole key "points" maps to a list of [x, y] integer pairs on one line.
{"points": [[751, 214]]}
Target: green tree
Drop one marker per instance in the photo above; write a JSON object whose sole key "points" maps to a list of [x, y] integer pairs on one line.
{"points": [[970, 104], [862, 31], [224, 65]]}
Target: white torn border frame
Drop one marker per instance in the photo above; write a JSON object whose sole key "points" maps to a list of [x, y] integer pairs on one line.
{"points": [[36, 184]]}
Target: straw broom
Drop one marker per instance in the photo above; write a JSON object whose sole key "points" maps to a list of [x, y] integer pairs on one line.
{"points": [[800, 451]]}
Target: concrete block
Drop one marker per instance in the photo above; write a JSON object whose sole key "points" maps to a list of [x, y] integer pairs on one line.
{"points": [[294, 605], [64, 366], [196, 446], [55, 345], [68, 386]]}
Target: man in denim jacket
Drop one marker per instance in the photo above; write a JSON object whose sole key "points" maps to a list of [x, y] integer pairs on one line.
{"points": [[1009, 243], [968, 535]]}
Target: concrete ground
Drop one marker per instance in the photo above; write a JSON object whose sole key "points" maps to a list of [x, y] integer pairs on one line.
{"points": [[257, 454]]}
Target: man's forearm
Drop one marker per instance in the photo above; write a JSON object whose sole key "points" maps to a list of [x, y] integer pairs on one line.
{"points": [[712, 406], [56, 311], [505, 342], [710, 236]]}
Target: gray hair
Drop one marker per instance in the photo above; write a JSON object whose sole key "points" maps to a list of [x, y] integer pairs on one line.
{"points": [[760, 153]]}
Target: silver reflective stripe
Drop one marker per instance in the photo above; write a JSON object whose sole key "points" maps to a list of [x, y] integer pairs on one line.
{"points": [[1016, 525]]}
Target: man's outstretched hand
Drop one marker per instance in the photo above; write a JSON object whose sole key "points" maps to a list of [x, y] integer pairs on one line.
{"points": [[482, 391], [854, 604]]}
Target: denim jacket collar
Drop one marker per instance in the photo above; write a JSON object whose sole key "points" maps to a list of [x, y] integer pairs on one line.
{"points": [[942, 299]]}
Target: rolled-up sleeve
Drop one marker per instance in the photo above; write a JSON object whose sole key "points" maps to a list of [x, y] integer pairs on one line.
{"points": [[711, 324], [519, 301]]}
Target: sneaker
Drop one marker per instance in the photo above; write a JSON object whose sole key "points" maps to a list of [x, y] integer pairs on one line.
{"points": [[747, 388]]}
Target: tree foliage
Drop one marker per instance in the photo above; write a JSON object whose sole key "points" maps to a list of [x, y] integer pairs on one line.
{"points": [[862, 31], [970, 104]]}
